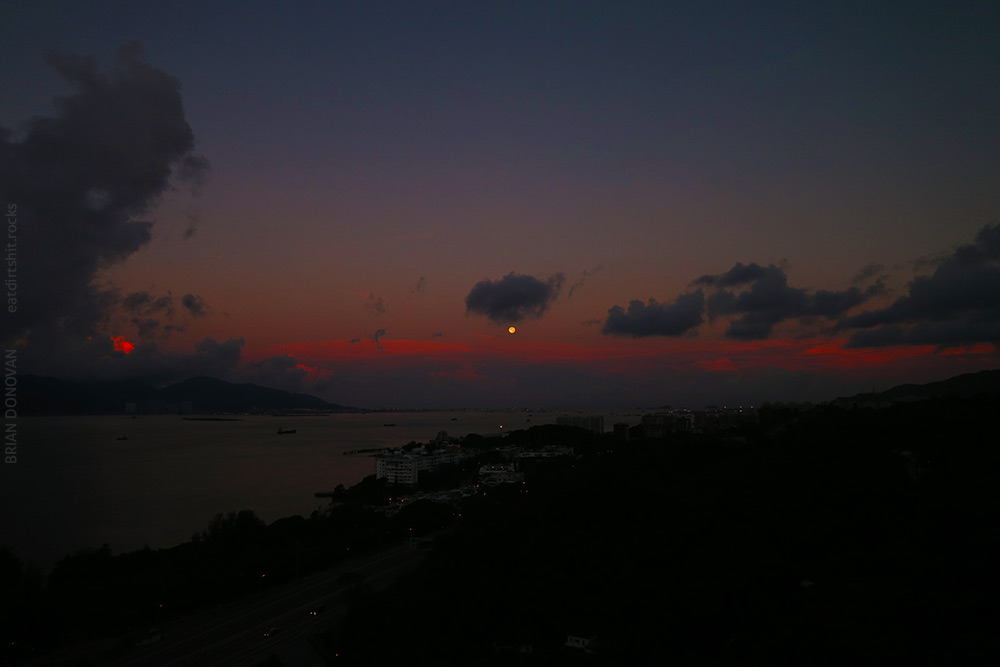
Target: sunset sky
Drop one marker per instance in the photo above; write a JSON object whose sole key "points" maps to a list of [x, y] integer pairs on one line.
{"points": [[674, 203]]}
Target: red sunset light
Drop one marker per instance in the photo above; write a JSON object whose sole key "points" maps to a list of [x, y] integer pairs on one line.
{"points": [[122, 345]]}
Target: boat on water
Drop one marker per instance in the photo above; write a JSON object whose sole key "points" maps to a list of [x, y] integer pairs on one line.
{"points": [[285, 431], [388, 424]]}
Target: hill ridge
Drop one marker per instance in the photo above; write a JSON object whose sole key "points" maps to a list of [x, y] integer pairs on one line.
{"points": [[199, 394]]}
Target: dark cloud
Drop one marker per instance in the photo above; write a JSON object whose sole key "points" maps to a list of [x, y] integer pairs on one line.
{"points": [[867, 273], [144, 303], [587, 273], [192, 228], [740, 274], [943, 335], [769, 300], [96, 359], [149, 328], [421, 284], [437, 335], [136, 301], [164, 303], [88, 359], [81, 180], [153, 317], [216, 358], [513, 298], [355, 341], [194, 305], [764, 300], [657, 319], [873, 277], [984, 249], [958, 304], [376, 304], [280, 371], [377, 338], [150, 364]]}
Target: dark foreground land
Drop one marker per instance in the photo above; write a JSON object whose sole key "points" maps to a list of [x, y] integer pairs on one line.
{"points": [[821, 536]]}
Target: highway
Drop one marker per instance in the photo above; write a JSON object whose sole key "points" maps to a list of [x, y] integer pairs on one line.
{"points": [[234, 634]]}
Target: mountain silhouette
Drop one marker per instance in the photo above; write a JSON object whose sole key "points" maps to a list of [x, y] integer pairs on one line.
{"points": [[968, 384], [46, 395]]}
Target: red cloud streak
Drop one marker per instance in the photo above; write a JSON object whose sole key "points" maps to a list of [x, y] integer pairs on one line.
{"points": [[621, 356]]}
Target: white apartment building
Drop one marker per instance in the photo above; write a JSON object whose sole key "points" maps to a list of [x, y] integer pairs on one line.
{"points": [[405, 467]]}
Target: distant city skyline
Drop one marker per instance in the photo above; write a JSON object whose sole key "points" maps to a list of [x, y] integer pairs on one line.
{"points": [[493, 205]]}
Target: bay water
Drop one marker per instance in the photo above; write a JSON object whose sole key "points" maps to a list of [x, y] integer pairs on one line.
{"points": [[154, 480]]}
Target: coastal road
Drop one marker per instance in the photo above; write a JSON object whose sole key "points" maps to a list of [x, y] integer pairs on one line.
{"points": [[233, 634]]}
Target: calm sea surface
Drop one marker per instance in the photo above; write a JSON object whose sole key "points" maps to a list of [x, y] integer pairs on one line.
{"points": [[76, 485]]}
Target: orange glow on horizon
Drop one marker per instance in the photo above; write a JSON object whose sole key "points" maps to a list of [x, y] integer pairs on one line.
{"points": [[834, 354], [713, 355], [978, 348], [470, 360]]}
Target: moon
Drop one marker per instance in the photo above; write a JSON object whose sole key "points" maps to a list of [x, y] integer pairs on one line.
{"points": [[511, 329]]}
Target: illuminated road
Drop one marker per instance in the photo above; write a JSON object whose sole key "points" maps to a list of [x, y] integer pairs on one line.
{"points": [[233, 634]]}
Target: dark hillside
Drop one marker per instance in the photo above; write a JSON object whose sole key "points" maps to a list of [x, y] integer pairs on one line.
{"points": [[854, 536]]}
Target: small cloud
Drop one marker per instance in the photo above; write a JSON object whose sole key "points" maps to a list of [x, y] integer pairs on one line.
{"points": [[164, 303], [146, 327], [867, 273], [143, 303], [578, 284], [153, 317], [355, 341], [194, 305], [378, 335], [192, 227], [135, 301], [279, 371], [375, 304], [437, 335], [740, 274], [513, 298]]}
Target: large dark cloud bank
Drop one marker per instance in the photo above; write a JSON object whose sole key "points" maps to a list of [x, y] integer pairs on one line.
{"points": [[957, 305]]}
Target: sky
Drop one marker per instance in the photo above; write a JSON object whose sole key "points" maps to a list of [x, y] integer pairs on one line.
{"points": [[671, 203]]}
